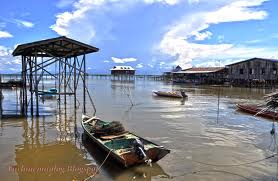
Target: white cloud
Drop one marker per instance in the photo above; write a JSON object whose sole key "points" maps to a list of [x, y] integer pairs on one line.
{"points": [[3, 51], [26, 24], [254, 41], [169, 2], [2, 24], [7, 61], [193, 1], [83, 15], [106, 61], [139, 65], [91, 15], [5, 34], [236, 54], [123, 60], [161, 64], [220, 38], [202, 35], [176, 41]]}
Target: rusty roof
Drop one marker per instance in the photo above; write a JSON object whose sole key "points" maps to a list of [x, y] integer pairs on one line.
{"points": [[55, 47], [196, 70], [252, 59]]}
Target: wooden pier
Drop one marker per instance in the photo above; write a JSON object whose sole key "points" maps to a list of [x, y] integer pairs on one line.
{"points": [[127, 77]]}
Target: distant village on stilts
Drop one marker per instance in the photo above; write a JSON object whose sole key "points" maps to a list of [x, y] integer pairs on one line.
{"points": [[254, 72]]}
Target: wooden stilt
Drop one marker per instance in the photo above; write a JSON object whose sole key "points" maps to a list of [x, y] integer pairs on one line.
{"points": [[84, 84], [36, 86]]}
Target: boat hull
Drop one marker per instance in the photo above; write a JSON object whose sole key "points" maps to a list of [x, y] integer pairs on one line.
{"points": [[253, 109], [167, 94]]}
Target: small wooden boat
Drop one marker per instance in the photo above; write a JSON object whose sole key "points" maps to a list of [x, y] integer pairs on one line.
{"points": [[171, 94], [126, 148], [260, 111], [51, 91], [49, 94]]}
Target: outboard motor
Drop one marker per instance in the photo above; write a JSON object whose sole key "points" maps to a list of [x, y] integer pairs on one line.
{"points": [[183, 94], [139, 149], [141, 152]]}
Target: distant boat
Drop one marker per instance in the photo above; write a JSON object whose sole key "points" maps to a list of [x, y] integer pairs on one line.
{"points": [[124, 147], [11, 83], [171, 94], [49, 94], [51, 91], [257, 110]]}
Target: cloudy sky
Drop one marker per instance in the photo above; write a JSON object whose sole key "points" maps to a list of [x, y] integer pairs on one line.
{"points": [[151, 35]]}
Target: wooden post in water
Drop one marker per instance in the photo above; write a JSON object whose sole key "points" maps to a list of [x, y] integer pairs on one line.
{"points": [[84, 84], [74, 82], [31, 83], [24, 79], [36, 85], [59, 83], [65, 81]]}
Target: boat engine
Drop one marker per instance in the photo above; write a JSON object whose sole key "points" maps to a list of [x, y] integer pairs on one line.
{"points": [[139, 149], [183, 94]]}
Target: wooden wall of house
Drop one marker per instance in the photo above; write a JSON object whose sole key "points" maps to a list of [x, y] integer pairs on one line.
{"points": [[257, 69], [122, 72], [202, 78]]}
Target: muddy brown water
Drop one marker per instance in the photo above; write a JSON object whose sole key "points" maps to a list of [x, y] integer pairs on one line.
{"points": [[52, 146]]}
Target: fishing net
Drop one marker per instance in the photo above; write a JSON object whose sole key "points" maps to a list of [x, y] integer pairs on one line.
{"points": [[112, 128]]}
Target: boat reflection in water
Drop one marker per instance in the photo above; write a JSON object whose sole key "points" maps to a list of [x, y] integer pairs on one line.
{"points": [[115, 171], [174, 100]]}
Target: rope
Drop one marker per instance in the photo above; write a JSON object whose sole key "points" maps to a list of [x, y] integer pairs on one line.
{"points": [[129, 96], [233, 165], [97, 170]]}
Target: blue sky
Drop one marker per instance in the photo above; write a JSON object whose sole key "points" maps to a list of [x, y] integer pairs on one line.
{"points": [[150, 35]]}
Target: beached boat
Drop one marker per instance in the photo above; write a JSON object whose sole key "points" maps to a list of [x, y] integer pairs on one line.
{"points": [[257, 110], [171, 94], [126, 148]]}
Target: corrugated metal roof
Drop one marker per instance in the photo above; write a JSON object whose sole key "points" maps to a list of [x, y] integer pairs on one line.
{"points": [[122, 68], [200, 70], [252, 59], [55, 47]]}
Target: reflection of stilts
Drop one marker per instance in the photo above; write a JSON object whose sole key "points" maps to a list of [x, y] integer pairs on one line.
{"points": [[218, 104], [1, 99]]}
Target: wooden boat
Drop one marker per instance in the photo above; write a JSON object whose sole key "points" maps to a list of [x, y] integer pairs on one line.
{"points": [[126, 148], [254, 109], [170, 94], [49, 93], [11, 83]]}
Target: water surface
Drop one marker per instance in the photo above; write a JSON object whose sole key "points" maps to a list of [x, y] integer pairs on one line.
{"points": [[200, 133]]}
